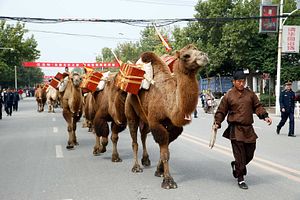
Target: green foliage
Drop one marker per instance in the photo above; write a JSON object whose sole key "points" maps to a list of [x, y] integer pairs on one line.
{"points": [[266, 99], [230, 45], [23, 49]]}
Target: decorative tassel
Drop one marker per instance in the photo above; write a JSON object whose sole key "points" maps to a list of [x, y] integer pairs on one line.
{"points": [[163, 41]]}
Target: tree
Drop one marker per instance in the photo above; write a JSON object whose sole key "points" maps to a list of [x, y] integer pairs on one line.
{"points": [[24, 49], [128, 51]]}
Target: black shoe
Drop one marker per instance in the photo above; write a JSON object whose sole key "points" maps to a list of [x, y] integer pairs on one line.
{"points": [[243, 185], [277, 130], [195, 116], [291, 135]]}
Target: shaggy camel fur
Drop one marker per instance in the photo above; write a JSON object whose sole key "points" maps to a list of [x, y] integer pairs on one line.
{"points": [[40, 96], [52, 98], [167, 106], [72, 107], [111, 105]]}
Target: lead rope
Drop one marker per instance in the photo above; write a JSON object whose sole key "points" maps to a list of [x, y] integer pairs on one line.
{"points": [[139, 100]]}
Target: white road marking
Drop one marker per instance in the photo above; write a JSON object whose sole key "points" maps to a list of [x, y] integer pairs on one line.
{"points": [[55, 129], [260, 162], [59, 152], [54, 119]]}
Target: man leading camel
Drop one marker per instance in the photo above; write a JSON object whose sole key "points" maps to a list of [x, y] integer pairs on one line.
{"points": [[239, 103]]}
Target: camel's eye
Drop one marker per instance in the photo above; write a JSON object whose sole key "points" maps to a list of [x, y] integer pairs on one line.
{"points": [[186, 56]]}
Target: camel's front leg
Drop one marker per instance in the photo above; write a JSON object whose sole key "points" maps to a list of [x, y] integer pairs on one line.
{"points": [[69, 119], [161, 136], [74, 121], [168, 182]]}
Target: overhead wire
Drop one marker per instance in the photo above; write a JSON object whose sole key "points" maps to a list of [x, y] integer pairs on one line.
{"points": [[143, 22], [182, 3], [83, 35]]}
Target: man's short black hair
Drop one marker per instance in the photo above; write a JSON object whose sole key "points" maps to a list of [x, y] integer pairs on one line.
{"points": [[238, 75]]}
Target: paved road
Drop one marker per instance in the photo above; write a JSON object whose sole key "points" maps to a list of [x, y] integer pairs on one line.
{"points": [[35, 165]]}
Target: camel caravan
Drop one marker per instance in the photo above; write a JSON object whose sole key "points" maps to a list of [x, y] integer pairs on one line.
{"points": [[150, 95]]}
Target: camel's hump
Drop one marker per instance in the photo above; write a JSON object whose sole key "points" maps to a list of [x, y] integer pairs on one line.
{"points": [[151, 57]]}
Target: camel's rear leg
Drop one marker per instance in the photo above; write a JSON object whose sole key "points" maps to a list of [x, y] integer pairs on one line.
{"points": [[133, 127], [101, 130], [116, 129], [144, 129]]}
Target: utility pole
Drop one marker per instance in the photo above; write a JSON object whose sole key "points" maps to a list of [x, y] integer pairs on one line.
{"points": [[281, 23], [277, 111], [16, 78]]}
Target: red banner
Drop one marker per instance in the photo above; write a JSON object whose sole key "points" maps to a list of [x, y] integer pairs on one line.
{"points": [[58, 64], [269, 23]]}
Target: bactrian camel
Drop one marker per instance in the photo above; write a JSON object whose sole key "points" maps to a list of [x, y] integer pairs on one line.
{"points": [[72, 101], [110, 108], [167, 106]]}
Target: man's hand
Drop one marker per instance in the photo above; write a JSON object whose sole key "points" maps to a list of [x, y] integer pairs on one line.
{"points": [[282, 110], [268, 120]]}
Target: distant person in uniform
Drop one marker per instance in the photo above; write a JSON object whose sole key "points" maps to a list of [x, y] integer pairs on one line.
{"points": [[287, 107], [8, 101], [1, 103], [239, 104], [16, 100]]}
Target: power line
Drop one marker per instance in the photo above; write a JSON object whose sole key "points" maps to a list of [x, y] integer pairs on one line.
{"points": [[143, 22], [84, 35], [183, 3]]}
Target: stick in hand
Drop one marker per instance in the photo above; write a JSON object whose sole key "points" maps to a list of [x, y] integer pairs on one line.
{"points": [[213, 135]]}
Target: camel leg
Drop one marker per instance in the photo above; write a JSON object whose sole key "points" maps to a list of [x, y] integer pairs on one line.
{"points": [[102, 130], [49, 107], [133, 127], [116, 129], [69, 119], [90, 126], [144, 129], [161, 136], [133, 122], [97, 146], [74, 121]]}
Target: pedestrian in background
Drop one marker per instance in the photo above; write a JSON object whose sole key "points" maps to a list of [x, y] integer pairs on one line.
{"points": [[239, 104], [16, 100], [8, 101], [1, 103], [287, 107]]}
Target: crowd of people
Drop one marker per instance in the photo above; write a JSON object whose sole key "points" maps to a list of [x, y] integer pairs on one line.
{"points": [[9, 99]]}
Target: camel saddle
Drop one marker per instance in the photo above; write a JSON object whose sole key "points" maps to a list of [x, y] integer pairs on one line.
{"points": [[169, 60]]}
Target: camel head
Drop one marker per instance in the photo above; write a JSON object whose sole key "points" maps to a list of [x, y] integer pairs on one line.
{"points": [[76, 79], [191, 59]]}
